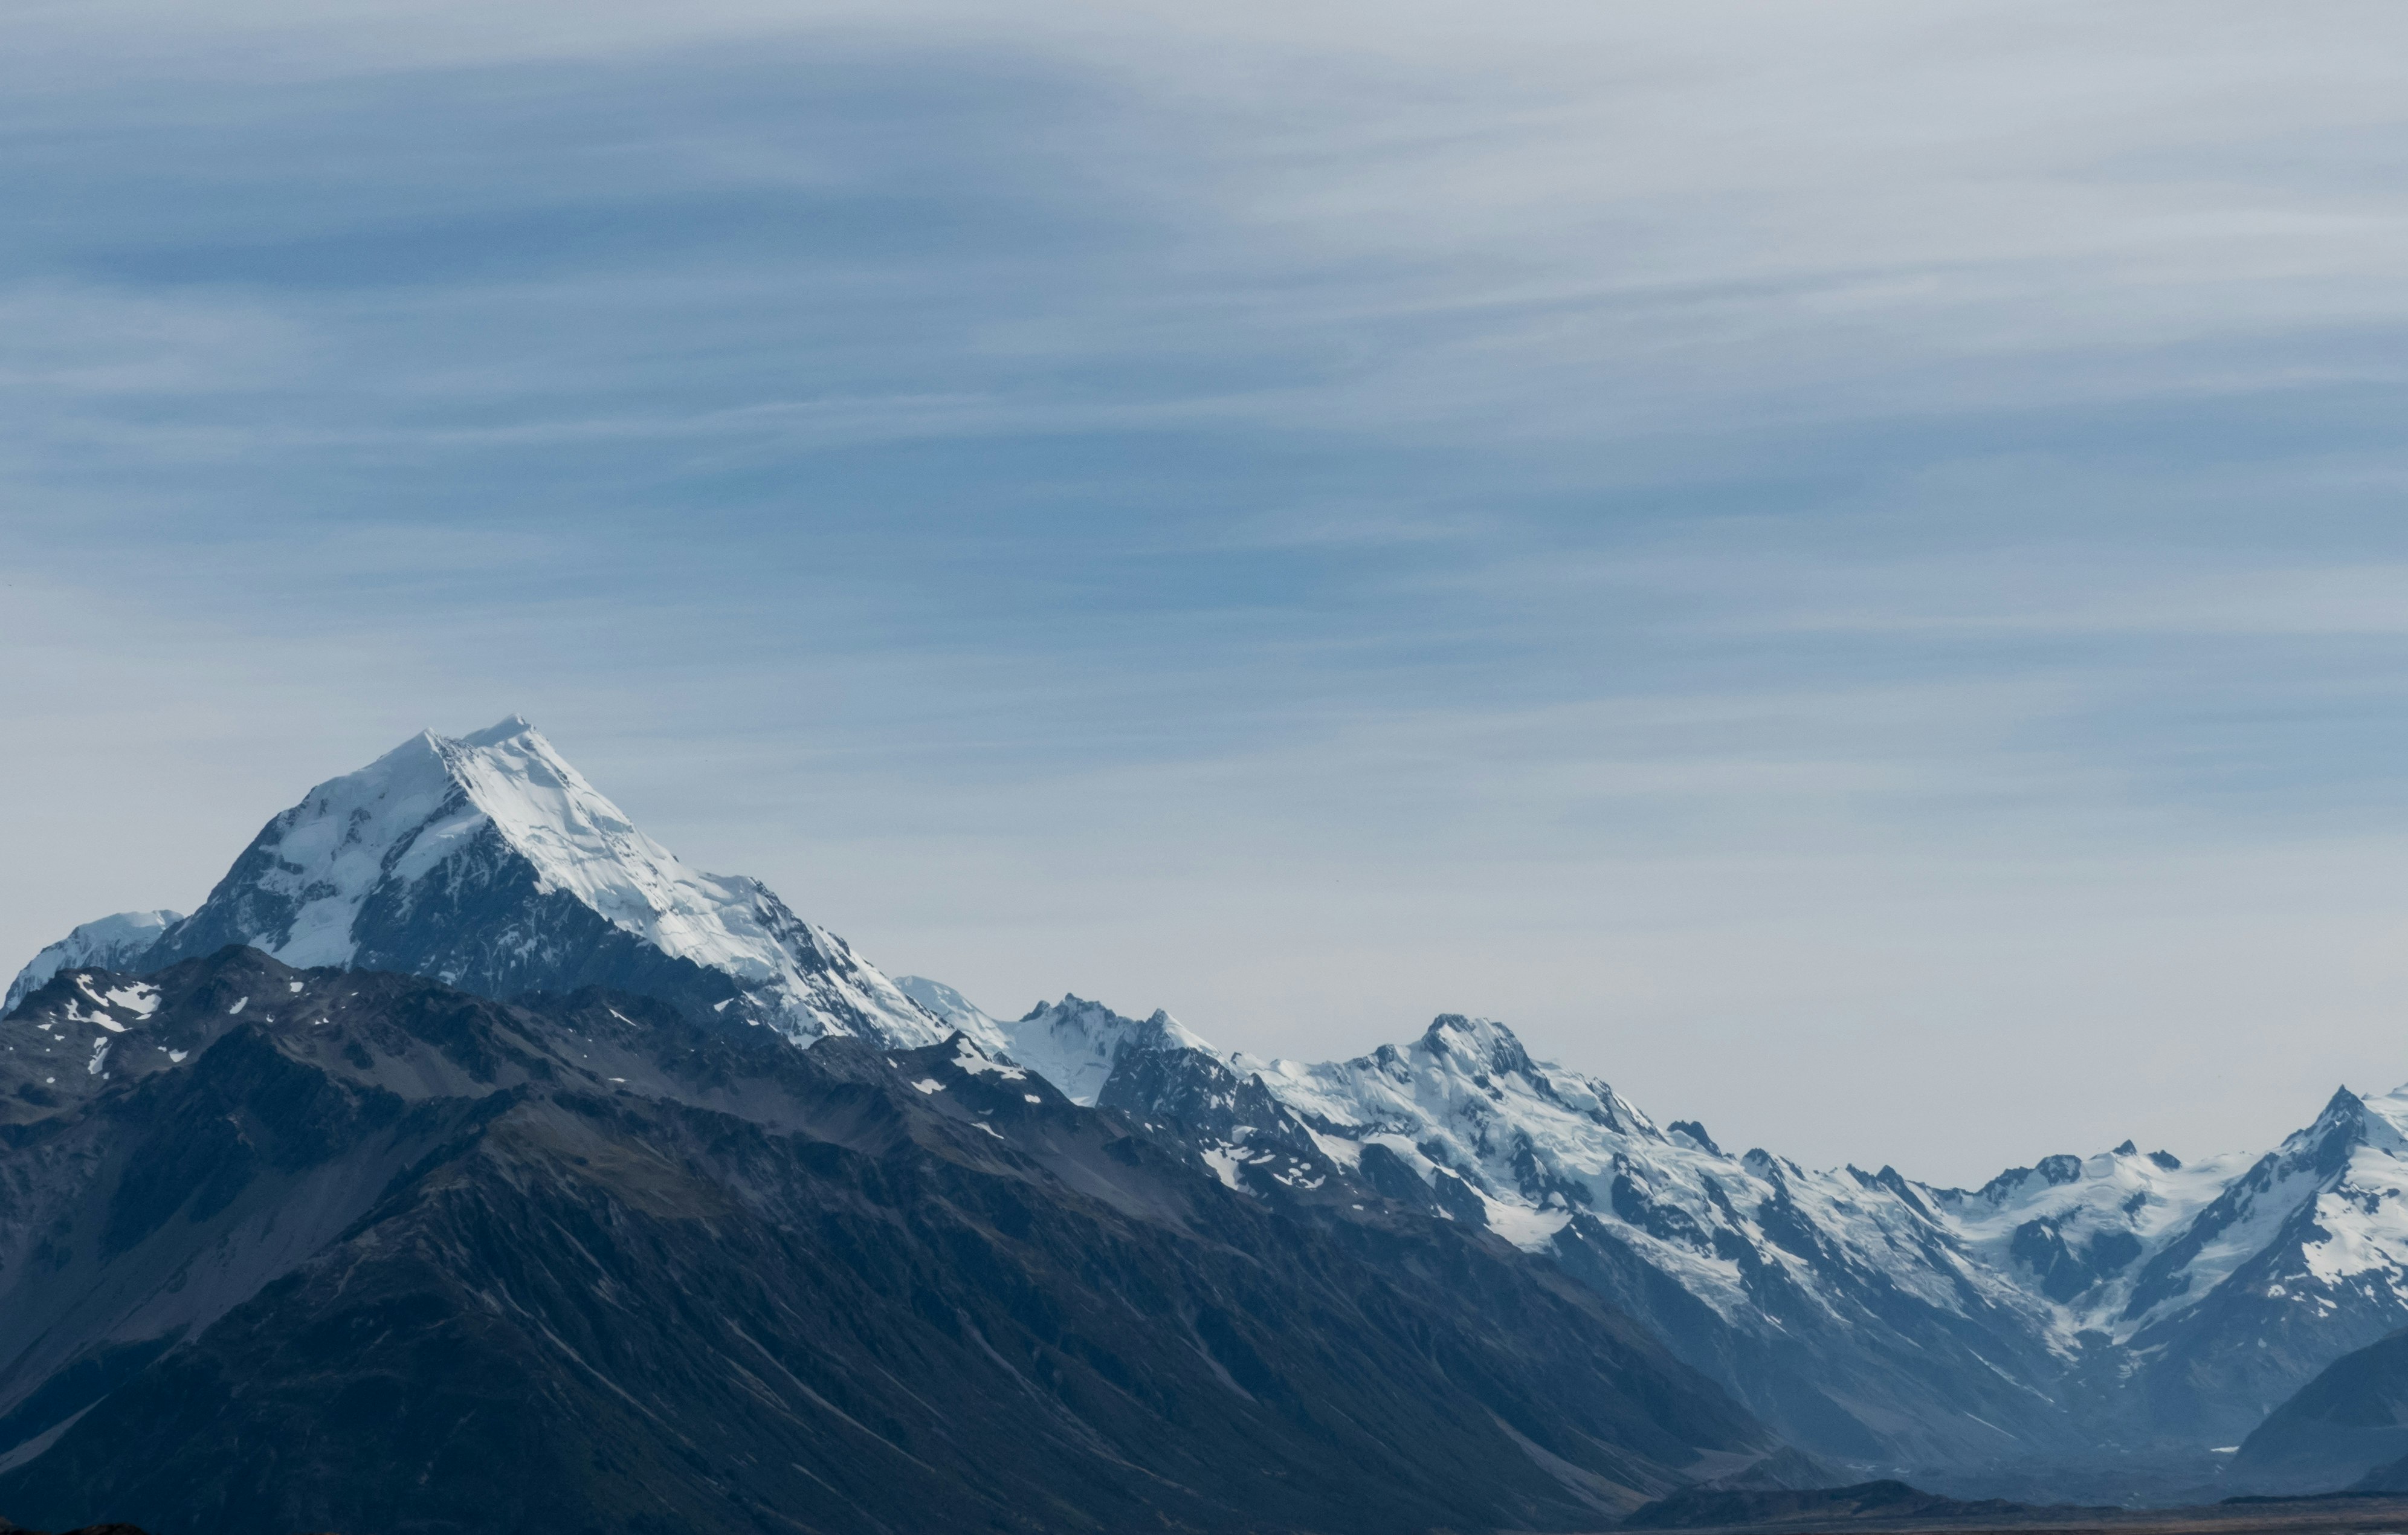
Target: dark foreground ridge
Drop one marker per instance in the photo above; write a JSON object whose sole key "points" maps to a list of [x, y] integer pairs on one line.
{"points": [[1887, 1502], [292, 1250], [1894, 1507]]}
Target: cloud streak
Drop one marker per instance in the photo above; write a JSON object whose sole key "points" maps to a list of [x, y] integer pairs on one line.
{"points": [[1749, 540]]}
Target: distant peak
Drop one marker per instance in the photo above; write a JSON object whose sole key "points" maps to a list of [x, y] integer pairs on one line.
{"points": [[1161, 1031], [1487, 1043], [493, 735], [1696, 1132], [2343, 1104]]}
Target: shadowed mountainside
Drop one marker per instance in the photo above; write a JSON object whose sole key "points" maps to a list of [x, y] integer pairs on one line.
{"points": [[285, 1250]]}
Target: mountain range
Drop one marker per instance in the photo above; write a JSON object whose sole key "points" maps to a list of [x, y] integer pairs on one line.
{"points": [[2099, 1325], [326, 1249]]}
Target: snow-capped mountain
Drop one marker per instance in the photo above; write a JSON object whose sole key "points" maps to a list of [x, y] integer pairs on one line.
{"points": [[2300, 1258], [487, 862], [1074, 1043], [107, 945], [2115, 1302], [1835, 1304], [1838, 1306], [2199, 1298], [2126, 1302], [2078, 1228]]}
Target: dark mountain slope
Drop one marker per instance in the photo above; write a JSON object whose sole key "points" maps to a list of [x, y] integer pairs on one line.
{"points": [[1885, 1502], [2351, 1419], [1852, 1366], [389, 1257]]}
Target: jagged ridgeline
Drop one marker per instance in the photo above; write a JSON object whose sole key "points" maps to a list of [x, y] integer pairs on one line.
{"points": [[2121, 1310], [315, 1249]]}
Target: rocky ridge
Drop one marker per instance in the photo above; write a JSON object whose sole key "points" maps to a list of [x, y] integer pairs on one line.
{"points": [[339, 1249]]}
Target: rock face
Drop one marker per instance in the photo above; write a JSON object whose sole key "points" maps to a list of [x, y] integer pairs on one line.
{"points": [[489, 863], [337, 1249]]}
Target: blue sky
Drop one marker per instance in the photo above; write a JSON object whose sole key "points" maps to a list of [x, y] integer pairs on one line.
{"points": [[1841, 569]]}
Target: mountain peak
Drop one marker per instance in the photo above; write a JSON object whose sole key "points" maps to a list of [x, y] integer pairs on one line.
{"points": [[507, 729], [2345, 1123], [103, 944], [486, 861], [1075, 1043], [1484, 1044]]}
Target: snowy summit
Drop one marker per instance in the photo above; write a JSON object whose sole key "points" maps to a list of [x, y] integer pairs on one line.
{"points": [[487, 862]]}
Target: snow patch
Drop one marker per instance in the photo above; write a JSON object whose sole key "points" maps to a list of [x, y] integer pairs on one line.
{"points": [[967, 1057], [1225, 1162], [136, 998], [114, 942]]}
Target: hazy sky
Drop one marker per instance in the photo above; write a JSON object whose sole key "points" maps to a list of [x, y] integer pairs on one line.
{"points": [[1843, 567]]}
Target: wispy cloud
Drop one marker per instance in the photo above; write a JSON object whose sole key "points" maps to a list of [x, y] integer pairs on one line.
{"points": [[1728, 522]]}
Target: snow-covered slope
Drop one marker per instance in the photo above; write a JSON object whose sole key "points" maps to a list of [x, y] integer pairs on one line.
{"points": [[104, 944], [2075, 1307], [2077, 1229], [486, 861], [1840, 1306], [1075, 1043], [1837, 1304], [2204, 1296], [2299, 1260], [951, 1008]]}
